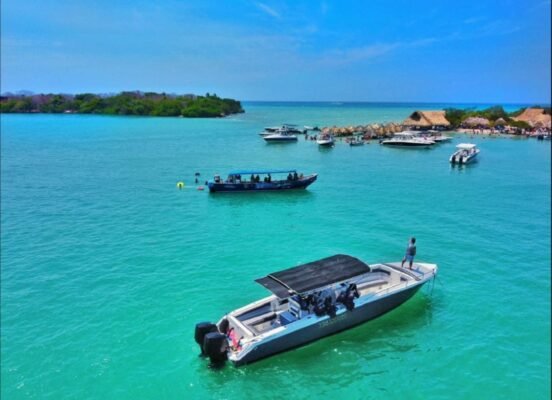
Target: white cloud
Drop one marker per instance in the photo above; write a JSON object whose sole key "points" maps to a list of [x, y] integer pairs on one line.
{"points": [[268, 10]]}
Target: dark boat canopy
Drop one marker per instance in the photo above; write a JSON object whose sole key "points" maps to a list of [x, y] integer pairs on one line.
{"points": [[262, 171], [313, 275]]}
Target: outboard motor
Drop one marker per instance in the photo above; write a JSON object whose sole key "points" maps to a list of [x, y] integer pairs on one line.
{"points": [[202, 329], [215, 346]]}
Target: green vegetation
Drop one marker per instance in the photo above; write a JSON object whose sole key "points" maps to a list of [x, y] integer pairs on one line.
{"points": [[125, 103], [456, 116]]}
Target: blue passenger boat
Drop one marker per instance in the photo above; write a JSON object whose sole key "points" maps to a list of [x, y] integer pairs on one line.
{"points": [[260, 180]]}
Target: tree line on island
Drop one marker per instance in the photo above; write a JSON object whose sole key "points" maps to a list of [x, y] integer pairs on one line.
{"points": [[124, 103], [495, 116]]}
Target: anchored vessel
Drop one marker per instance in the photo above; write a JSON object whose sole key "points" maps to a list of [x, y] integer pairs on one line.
{"points": [[326, 140], [280, 136], [309, 302], [286, 129], [408, 139], [466, 153], [436, 136], [261, 180]]}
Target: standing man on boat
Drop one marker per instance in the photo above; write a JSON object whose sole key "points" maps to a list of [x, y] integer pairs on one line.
{"points": [[410, 252]]}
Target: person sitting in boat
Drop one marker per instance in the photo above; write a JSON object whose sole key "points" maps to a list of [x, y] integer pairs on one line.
{"points": [[295, 176], [252, 178], [235, 343], [269, 178], [289, 177]]}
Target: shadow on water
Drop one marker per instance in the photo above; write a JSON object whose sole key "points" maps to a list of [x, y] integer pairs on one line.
{"points": [[464, 167], [281, 143], [275, 197], [325, 149]]}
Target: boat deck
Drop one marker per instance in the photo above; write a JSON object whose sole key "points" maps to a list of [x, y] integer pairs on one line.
{"points": [[417, 272]]}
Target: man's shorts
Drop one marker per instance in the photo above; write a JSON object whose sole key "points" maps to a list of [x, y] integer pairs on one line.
{"points": [[409, 258]]}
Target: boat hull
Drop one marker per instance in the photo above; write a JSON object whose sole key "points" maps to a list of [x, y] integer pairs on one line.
{"points": [[225, 187], [280, 139], [329, 326], [463, 160], [406, 144]]}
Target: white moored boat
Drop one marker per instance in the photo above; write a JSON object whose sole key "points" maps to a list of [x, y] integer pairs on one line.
{"points": [[408, 139], [466, 153], [309, 302], [325, 139], [437, 136], [280, 136]]}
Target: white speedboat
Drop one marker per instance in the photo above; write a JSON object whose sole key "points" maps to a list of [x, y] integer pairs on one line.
{"points": [[440, 138], [286, 128], [436, 136], [270, 130], [309, 302], [326, 140], [408, 139], [281, 136], [356, 142], [466, 153]]}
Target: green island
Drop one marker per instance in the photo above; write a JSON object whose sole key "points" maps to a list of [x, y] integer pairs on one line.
{"points": [[124, 103], [492, 116]]}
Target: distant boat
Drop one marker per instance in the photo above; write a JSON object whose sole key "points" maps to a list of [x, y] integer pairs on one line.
{"points": [[269, 130], [284, 129], [408, 139], [436, 136], [292, 128], [280, 137], [325, 140], [440, 138], [466, 153], [261, 180], [356, 142]]}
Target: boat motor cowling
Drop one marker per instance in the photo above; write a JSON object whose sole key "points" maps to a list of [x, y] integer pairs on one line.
{"points": [[215, 346], [202, 329]]}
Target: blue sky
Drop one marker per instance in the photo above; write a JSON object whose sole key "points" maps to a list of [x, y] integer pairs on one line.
{"points": [[433, 51]]}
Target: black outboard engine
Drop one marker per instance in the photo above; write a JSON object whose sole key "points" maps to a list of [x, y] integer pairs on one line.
{"points": [[215, 346], [202, 329]]}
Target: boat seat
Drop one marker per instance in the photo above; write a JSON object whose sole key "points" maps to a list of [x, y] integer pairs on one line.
{"points": [[260, 319], [286, 317], [370, 284]]}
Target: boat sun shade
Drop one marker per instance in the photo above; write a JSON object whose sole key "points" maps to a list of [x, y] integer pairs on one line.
{"points": [[262, 171], [313, 275]]}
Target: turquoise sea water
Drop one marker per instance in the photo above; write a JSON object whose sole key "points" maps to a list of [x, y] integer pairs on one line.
{"points": [[106, 266]]}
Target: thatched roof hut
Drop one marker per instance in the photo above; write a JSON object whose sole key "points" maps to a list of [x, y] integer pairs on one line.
{"points": [[500, 122], [476, 122], [427, 119], [533, 116]]}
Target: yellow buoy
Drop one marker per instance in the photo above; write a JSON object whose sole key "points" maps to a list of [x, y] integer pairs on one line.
{"points": [[180, 185]]}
